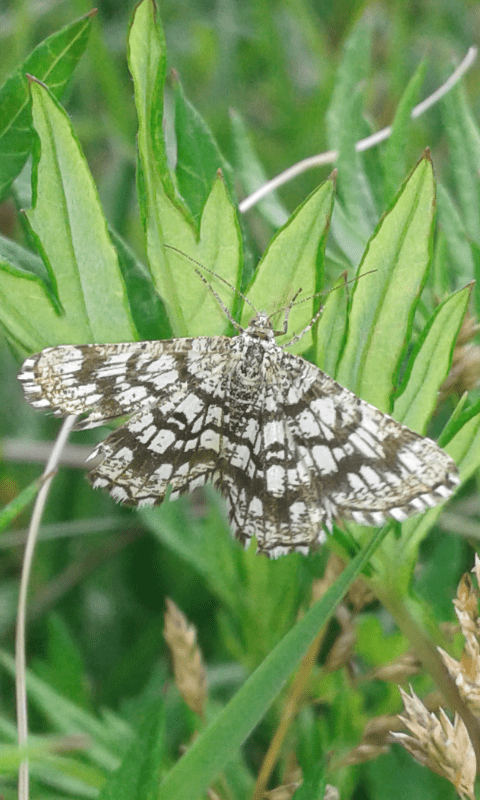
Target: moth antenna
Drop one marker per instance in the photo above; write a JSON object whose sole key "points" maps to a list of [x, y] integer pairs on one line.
{"points": [[219, 300], [310, 325], [316, 316], [287, 310], [223, 280], [327, 291]]}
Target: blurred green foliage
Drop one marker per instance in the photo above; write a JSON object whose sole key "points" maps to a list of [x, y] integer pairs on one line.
{"points": [[96, 649]]}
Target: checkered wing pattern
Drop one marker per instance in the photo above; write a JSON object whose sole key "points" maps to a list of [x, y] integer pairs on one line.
{"points": [[288, 447]]}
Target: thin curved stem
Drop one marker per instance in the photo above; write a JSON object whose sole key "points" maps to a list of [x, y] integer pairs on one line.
{"points": [[20, 637], [330, 156]]}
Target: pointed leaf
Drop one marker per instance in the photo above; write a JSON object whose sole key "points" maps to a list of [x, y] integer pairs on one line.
{"points": [[464, 140], [52, 62], [167, 220], [198, 156], [330, 329], [384, 302], [68, 222], [252, 174], [290, 263], [28, 315], [345, 127], [456, 237], [21, 501], [393, 151], [430, 362]]}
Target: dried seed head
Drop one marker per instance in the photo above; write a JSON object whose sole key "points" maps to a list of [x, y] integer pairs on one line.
{"points": [[331, 793], [284, 792], [398, 670], [363, 752], [438, 744], [190, 676], [333, 569], [341, 650], [466, 672]]}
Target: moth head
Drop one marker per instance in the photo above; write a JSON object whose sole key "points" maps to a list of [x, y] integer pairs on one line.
{"points": [[261, 326]]}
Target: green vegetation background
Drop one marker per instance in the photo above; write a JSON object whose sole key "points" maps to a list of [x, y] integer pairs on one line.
{"points": [[100, 583]]}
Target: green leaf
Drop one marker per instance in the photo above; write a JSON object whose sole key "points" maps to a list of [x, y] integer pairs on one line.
{"points": [[252, 174], [314, 783], [65, 774], [383, 303], [138, 776], [52, 62], [217, 744], [464, 448], [68, 221], [330, 329], [61, 665], [349, 240], [198, 156], [191, 308], [352, 72], [464, 141], [393, 152], [345, 126], [290, 263], [148, 311], [456, 237], [27, 312], [21, 501], [430, 362], [87, 300], [18, 257]]}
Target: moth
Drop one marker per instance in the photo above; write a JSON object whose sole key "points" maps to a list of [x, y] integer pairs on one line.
{"points": [[288, 447]]}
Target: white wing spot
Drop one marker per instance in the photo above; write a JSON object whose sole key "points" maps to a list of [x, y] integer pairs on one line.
{"points": [[324, 459], [275, 476], [162, 441], [370, 476]]}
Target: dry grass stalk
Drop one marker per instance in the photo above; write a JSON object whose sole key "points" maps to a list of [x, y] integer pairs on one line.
{"points": [[438, 744], [188, 668]]}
